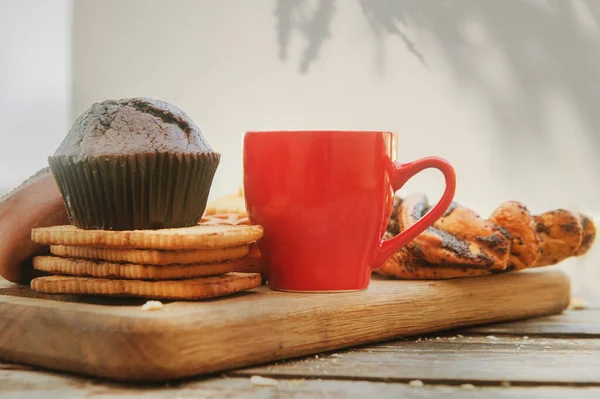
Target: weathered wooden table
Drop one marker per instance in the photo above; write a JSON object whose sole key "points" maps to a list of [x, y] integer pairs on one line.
{"points": [[556, 356]]}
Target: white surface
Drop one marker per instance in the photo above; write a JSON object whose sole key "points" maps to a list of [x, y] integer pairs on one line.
{"points": [[35, 84], [507, 91]]}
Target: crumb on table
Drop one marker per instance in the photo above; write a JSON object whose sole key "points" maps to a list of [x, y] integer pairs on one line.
{"points": [[578, 303], [257, 380], [152, 305]]}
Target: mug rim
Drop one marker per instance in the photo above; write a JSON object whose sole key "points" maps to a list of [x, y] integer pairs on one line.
{"points": [[317, 131]]}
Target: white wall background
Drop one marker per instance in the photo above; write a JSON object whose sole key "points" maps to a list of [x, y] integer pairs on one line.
{"points": [[35, 84], [506, 90]]}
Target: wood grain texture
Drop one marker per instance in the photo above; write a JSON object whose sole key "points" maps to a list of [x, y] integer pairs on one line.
{"points": [[457, 360], [117, 341], [573, 323], [35, 384]]}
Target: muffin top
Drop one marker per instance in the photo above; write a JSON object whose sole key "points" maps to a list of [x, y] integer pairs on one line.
{"points": [[132, 126]]}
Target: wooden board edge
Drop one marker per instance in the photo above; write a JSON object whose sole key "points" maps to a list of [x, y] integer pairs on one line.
{"points": [[555, 292]]}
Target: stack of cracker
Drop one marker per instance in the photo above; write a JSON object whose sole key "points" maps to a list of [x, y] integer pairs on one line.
{"points": [[232, 204], [230, 209], [189, 263]]}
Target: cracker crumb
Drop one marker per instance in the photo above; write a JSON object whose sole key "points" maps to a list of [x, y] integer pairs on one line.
{"points": [[469, 387], [316, 356], [460, 335], [437, 338], [493, 338], [416, 383], [526, 337], [259, 381], [152, 305], [578, 303], [451, 338], [337, 355]]}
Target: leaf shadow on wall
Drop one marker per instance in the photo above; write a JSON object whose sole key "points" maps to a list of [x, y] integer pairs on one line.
{"points": [[313, 24], [545, 50]]}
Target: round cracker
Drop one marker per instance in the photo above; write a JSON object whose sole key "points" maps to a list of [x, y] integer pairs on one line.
{"points": [[195, 237], [234, 219], [149, 256], [197, 288], [230, 203], [91, 268]]}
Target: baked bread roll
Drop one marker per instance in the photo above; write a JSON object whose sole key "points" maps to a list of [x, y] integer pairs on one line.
{"points": [[459, 237], [561, 233], [462, 244], [526, 243], [35, 203]]}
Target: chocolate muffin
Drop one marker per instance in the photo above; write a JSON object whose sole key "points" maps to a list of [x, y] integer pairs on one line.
{"points": [[134, 163]]}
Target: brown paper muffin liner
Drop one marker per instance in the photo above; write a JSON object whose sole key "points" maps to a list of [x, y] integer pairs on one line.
{"points": [[137, 191]]}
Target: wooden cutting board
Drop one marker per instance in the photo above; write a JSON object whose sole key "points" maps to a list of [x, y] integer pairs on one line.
{"points": [[114, 338]]}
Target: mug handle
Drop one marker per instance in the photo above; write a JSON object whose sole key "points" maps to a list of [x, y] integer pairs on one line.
{"points": [[400, 174]]}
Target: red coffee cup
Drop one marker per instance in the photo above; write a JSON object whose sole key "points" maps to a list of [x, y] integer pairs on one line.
{"points": [[324, 199]]}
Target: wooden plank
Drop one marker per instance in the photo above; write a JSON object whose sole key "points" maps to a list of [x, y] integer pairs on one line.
{"points": [[33, 384], [455, 359], [194, 338], [571, 323], [456, 342]]}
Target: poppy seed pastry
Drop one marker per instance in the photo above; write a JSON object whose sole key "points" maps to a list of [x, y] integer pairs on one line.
{"points": [[132, 164]]}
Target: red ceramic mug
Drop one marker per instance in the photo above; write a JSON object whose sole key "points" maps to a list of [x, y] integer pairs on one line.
{"points": [[324, 199]]}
